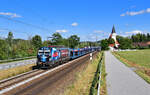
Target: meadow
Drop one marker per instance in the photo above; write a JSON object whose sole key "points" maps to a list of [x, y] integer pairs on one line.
{"points": [[139, 60], [139, 57]]}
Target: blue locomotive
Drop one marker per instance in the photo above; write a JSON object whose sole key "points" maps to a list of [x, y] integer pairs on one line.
{"points": [[53, 56]]}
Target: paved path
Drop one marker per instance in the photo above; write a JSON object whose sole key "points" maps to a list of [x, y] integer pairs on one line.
{"points": [[121, 80], [17, 63]]}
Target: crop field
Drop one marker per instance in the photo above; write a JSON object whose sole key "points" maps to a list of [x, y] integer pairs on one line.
{"points": [[140, 57]]}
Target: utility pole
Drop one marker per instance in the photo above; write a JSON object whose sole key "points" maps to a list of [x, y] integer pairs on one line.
{"points": [[49, 38], [96, 40]]}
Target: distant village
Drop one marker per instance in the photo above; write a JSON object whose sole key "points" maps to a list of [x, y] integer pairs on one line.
{"points": [[115, 42]]}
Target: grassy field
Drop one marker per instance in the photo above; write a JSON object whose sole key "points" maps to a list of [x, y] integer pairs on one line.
{"points": [[15, 71], [139, 59], [84, 80]]}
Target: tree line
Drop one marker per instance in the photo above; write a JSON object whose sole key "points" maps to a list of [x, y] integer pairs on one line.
{"points": [[127, 42], [11, 48]]}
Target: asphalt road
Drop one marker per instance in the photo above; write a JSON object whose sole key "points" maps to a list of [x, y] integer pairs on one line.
{"points": [[121, 80]]}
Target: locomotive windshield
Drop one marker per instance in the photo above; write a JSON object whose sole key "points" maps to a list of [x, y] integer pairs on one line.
{"points": [[44, 51]]}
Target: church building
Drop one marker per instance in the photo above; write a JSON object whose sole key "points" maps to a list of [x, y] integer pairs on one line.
{"points": [[113, 36]]}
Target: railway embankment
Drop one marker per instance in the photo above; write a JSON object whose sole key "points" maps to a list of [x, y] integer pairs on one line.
{"points": [[51, 82], [87, 78], [7, 73]]}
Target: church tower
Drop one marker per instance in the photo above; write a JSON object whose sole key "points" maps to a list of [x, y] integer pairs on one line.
{"points": [[113, 36]]}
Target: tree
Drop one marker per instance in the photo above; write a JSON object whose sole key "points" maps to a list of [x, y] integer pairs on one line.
{"points": [[37, 41], [73, 41], [104, 44], [46, 43], [65, 42], [125, 42], [3, 49], [57, 39], [10, 38], [111, 41]]}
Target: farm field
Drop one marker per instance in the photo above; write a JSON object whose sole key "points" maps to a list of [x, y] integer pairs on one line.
{"points": [[139, 60]]}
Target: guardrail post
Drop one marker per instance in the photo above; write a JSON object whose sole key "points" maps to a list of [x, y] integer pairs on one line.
{"points": [[99, 83]]}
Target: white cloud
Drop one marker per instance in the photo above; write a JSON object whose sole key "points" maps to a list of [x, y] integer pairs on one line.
{"points": [[64, 30], [133, 13], [74, 24], [98, 31], [148, 10], [12, 15], [134, 32], [122, 14]]}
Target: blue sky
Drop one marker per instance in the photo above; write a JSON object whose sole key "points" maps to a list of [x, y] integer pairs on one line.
{"points": [[86, 18]]}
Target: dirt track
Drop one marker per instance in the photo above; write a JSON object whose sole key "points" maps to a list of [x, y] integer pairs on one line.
{"points": [[55, 82]]}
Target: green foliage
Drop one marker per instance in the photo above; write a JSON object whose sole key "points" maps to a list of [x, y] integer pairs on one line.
{"points": [[128, 42], [37, 41], [46, 43], [16, 48], [140, 37], [111, 41], [3, 49], [73, 41], [10, 38], [125, 42], [57, 39], [104, 44]]}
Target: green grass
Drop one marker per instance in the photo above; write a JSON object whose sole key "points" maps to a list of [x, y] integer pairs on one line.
{"points": [[143, 75], [119, 57], [15, 71], [103, 90], [84, 79], [140, 57]]}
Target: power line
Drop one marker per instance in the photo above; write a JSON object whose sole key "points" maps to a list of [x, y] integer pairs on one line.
{"points": [[31, 10], [27, 24]]}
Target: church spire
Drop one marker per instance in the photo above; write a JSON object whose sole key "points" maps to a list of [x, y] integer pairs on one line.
{"points": [[113, 29]]}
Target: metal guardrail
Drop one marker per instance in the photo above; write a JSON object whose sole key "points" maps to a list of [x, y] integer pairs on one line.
{"points": [[9, 60], [95, 87], [99, 84]]}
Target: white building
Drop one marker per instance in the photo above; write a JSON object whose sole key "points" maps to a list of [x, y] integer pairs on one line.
{"points": [[113, 36]]}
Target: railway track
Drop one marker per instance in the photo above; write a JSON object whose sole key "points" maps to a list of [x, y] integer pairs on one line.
{"points": [[59, 71], [16, 79]]}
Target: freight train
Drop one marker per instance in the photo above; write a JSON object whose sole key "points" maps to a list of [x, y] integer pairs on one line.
{"points": [[52, 55]]}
